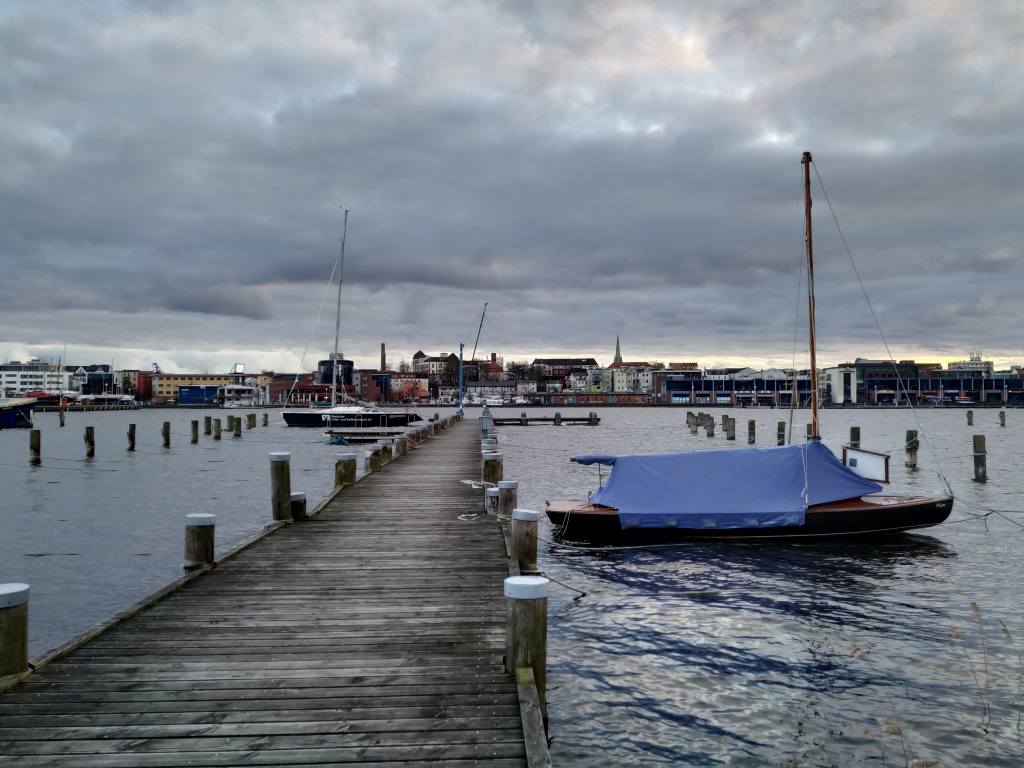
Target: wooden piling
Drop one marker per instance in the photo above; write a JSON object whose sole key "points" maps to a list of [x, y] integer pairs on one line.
{"points": [[780, 433], [35, 447], [90, 442], [491, 501], [526, 599], [493, 468], [558, 419], [523, 420], [1002, 418], [508, 497], [345, 470], [751, 432], [980, 459], [386, 454], [216, 429], [970, 418], [298, 501], [524, 538], [131, 437], [207, 425], [280, 485], [199, 536], [13, 629], [266, 419], [730, 428], [709, 428], [236, 426], [165, 433], [855, 437], [401, 445], [195, 431], [373, 462], [810, 431], [912, 445], [60, 416]]}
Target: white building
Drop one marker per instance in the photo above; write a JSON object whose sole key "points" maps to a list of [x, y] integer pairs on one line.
{"points": [[630, 379], [842, 383], [974, 367], [17, 378]]}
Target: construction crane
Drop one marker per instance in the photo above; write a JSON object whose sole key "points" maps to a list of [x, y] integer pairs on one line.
{"points": [[478, 330]]}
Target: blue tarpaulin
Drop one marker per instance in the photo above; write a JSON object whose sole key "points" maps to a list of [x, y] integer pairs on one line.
{"points": [[741, 488]]}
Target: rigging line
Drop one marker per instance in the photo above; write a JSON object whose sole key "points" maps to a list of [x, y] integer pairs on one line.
{"points": [[316, 321], [878, 324]]}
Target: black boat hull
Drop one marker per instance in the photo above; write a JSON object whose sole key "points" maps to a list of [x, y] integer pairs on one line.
{"points": [[843, 519], [373, 419]]}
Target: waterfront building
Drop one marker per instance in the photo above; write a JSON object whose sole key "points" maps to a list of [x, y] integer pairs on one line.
{"points": [[973, 367], [505, 389], [165, 385], [562, 366], [17, 378], [842, 384]]}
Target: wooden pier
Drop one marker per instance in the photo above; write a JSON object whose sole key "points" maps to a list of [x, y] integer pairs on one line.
{"points": [[371, 634], [591, 419]]}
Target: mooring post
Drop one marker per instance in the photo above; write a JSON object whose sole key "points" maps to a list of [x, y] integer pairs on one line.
{"points": [[199, 534], [207, 425], [90, 442], [297, 504], [751, 432], [725, 421], [526, 599], [280, 485], [345, 470], [13, 629], [266, 419], [401, 446], [236, 426], [558, 419], [374, 458], [912, 446], [524, 421], [491, 501], [1002, 418], [508, 497], [131, 437], [855, 437], [493, 468], [386, 454], [593, 419], [970, 418], [780, 433], [250, 420], [730, 429], [709, 428], [60, 416], [165, 433], [980, 459], [195, 431], [524, 538], [810, 431], [35, 447], [216, 429]]}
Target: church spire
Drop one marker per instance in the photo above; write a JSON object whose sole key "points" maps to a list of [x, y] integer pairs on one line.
{"points": [[618, 350]]}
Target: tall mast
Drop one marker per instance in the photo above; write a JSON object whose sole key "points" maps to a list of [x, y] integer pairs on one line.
{"points": [[337, 317], [806, 161]]}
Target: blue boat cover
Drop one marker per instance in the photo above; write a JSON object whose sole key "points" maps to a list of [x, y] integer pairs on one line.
{"points": [[741, 488]]}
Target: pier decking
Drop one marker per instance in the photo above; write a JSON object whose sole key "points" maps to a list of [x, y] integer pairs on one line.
{"points": [[371, 634]]}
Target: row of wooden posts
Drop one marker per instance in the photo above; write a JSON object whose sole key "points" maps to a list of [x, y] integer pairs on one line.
{"points": [[526, 593], [211, 427], [287, 507]]}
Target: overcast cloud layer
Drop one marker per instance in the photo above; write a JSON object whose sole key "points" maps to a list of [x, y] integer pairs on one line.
{"points": [[170, 176]]}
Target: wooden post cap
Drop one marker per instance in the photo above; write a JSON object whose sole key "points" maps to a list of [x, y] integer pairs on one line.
{"points": [[347, 456], [526, 587], [490, 492], [298, 496], [528, 515], [200, 520], [280, 456], [489, 456], [508, 484], [12, 594]]}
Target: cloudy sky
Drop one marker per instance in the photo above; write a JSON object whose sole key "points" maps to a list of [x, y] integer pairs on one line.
{"points": [[171, 175]]}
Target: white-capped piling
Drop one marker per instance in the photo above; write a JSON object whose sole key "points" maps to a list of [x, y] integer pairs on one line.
{"points": [[298, 505], [912, 444], [89, 437], [386, 454], [216, 429], [35, 447], [280, 485], [491, 501], [373, 461], [855, 437], [165, 433], [780, 433], [524, 538], [13, 628], [199, 536], [493, 468], [526, 600], [345, 470], [195, 430], [751, 432], [508, 497], [980, 459], [207, 425]]}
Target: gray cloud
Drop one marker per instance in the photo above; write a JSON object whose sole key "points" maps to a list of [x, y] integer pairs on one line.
{"points": [[594, 169]]}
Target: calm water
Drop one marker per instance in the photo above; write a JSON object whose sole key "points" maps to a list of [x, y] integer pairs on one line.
{"points": [[906, 652]]}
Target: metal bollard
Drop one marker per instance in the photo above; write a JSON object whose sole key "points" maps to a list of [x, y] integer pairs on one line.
{"points": [[13, 628], [280, 484], [199, 535], [980, 459], [493, 470], [526, 600], [35, 447], [524, 538], [298, 505], [508, 492], [491, 501], [345, 470]]}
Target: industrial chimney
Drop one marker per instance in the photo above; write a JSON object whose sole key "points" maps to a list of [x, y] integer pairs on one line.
{"points": [[383, 359]]}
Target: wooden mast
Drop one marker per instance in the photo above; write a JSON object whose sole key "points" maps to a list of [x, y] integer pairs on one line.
{"points": [[806, 161]]}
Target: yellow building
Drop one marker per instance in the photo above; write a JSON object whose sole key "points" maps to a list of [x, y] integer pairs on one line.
{"points": [[165, 385]]}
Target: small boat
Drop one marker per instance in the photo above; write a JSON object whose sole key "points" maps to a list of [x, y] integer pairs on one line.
{"points": [[963, 400], [16, 413], [794, 491]]}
